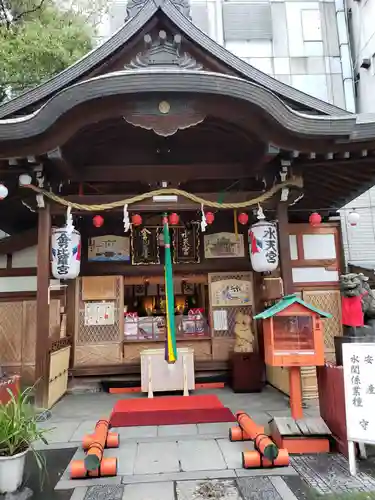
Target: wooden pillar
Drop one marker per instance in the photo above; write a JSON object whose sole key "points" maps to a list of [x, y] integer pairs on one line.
{"points": [[295, 391], [42, 308], [284, 246], [72, 315]]}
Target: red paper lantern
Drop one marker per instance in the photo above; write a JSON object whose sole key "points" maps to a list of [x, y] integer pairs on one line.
{"points": [[98, 221], [243, 218], [315, 219], [174, 219], [136, 220], [210, 217]]}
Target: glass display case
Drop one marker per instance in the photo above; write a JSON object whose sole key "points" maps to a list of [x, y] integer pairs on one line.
{"points": [[153, 327]]}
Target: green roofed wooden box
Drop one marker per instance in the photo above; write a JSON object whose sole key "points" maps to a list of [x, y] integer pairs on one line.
{"points": [[293, 333]]}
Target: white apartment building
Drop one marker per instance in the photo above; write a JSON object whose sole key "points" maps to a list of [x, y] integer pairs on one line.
{"points": [[359, 242], [303, 44]]}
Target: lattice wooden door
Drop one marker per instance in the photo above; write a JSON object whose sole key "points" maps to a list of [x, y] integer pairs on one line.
{"points": [[328, 301]]}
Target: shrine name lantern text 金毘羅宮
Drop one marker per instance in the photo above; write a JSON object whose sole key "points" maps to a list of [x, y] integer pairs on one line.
{"points": [[66, 253]]}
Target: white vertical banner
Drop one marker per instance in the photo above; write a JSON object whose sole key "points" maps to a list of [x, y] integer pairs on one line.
{"points": [[359, 384]]}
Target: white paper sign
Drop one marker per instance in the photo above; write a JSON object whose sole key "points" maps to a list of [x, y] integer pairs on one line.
{"points": [[99, 313], [359, 383], [220, 320]]}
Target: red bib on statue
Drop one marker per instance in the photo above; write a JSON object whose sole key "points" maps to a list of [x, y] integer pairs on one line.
{"points": [[352, 314]]}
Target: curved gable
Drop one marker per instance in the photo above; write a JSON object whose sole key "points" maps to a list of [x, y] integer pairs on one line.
{"points": [[101, 54]]}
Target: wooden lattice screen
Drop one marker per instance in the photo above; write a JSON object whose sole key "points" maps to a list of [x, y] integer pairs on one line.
{"points": [[18, 335], [101, 334], [328, 301]]}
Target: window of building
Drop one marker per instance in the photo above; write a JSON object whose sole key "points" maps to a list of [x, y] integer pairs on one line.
{"points": [[244, 21], [200, 16], [311, 25]]}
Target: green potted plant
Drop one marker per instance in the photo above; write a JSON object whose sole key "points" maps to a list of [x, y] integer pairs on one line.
{"points": [[18, 431]]}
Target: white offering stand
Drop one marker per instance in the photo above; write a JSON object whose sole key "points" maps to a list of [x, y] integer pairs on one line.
{"points": [[159, 376]]}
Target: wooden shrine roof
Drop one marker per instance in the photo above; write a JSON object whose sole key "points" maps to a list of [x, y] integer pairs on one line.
{"points": [[79, 125], [90, 64]]}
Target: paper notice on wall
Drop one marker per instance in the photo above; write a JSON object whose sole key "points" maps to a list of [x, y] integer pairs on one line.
{"points": [[99, 313], [220, 320]]}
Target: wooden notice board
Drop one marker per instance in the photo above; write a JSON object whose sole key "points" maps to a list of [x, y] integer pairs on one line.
{"points": [[99, 287]]}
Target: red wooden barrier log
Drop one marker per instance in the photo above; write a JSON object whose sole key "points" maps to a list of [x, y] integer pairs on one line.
{"points": [[237, 434], [108, 467], [94, 465], [262, 443], [254, 460], [96, 449], [112, 441]]}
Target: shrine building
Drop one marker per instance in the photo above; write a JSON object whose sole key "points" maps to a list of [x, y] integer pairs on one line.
{"points": [[160, 123]]}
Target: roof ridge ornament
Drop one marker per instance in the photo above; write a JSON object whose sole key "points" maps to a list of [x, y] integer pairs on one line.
{"points": [[134, 6], [162, 52]]}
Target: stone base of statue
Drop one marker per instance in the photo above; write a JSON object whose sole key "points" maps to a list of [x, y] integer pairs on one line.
{"points": [[360, 336]]}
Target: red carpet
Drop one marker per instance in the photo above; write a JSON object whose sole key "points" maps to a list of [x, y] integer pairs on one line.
{"points": [[171, 410]]}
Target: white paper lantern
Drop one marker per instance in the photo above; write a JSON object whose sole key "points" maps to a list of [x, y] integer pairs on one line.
{"points": [[3, 191], [353, 218], [66, 253], [24, 180], [263, 247]]}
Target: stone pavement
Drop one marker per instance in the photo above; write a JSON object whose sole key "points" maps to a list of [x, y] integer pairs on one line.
{"points": [[76, 415], [191, 462]]}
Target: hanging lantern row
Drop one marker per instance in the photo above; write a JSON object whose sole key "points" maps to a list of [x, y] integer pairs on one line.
{"points": [[315, 219], [136, 219]]}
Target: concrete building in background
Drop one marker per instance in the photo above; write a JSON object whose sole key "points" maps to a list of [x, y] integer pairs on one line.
{"points": [[303, 44], [361, 22], [312, 46], [359, 242]]}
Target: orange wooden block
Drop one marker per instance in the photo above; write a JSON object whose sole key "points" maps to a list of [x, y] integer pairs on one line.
{"points": [[261, 441], [95, 451], [124, 390], [304, 445], [77, 469], [112, 441], [108, 467], [254, 460], [210, 385], [301, 441], [237, 434]]}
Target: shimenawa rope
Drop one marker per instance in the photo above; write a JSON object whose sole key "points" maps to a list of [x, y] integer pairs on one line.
{"points": [[294, 181]]}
